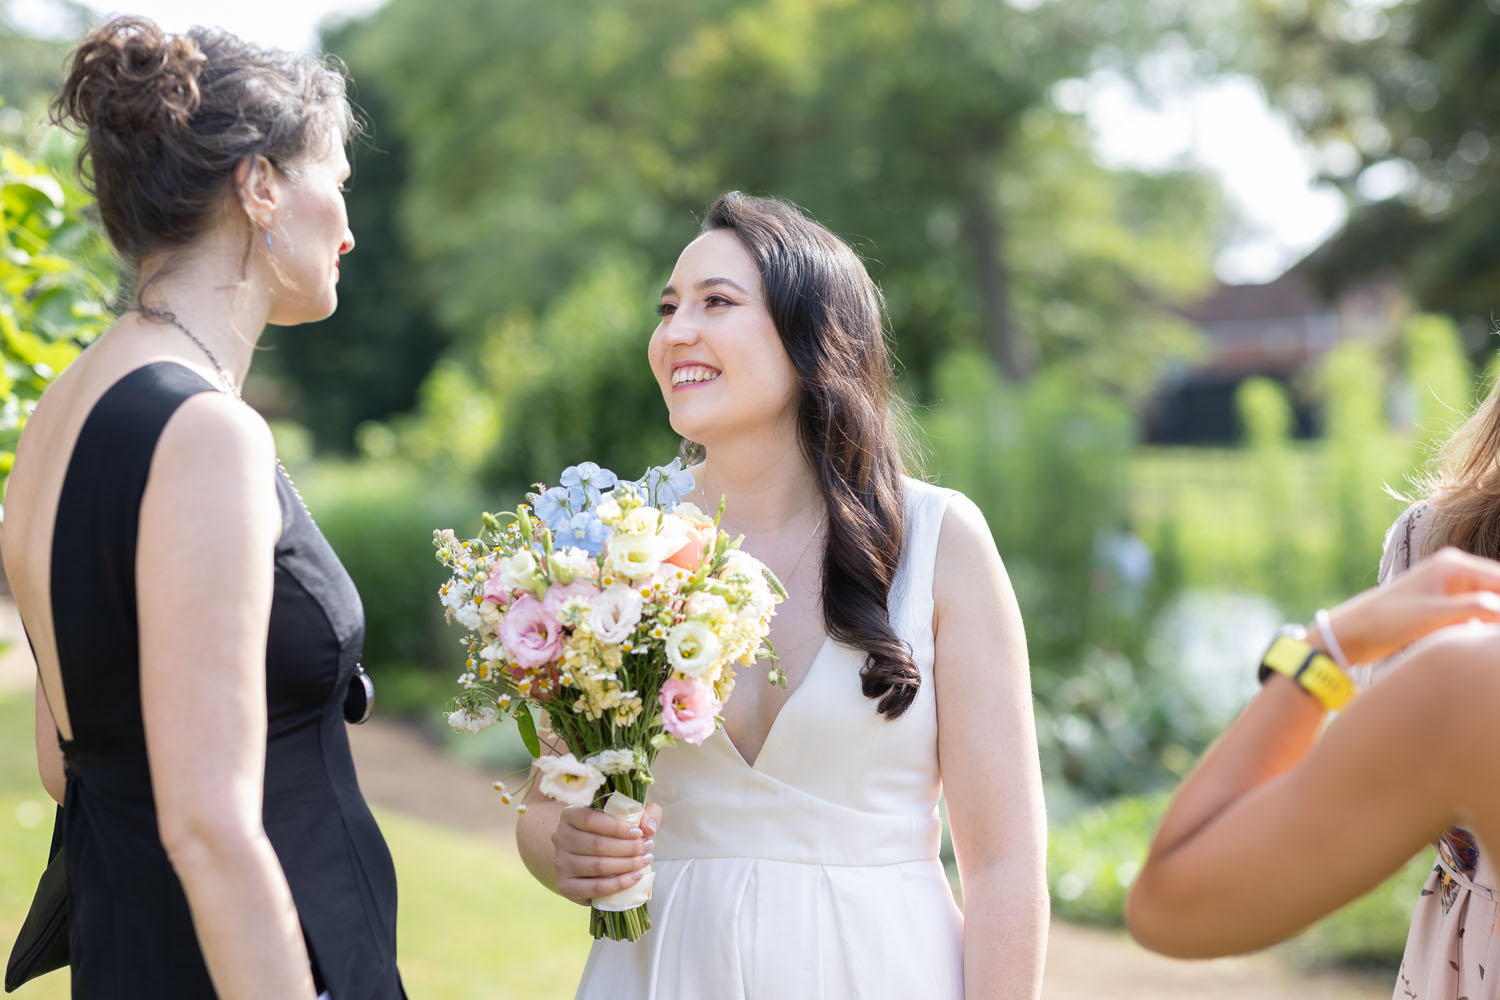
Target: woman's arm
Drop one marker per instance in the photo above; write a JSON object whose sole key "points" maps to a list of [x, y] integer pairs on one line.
{"points": [[49, 758], [1257, 844], [991, 773], [208, 527]]}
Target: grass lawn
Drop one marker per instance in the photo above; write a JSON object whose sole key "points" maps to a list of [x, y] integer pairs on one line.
{"points": [[473, 923]]}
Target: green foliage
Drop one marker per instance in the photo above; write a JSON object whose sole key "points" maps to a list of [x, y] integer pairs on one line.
{"points": [[55, 279], [541, 393], [366, 361], [1399, 97], [1048, 463], [1442, 381], [1092, 859], [1361, 461], [549, 139], [1266, 413], [31, 68]]}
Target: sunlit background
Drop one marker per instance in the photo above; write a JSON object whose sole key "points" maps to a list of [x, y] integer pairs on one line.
{"points": [[1186, 293]]}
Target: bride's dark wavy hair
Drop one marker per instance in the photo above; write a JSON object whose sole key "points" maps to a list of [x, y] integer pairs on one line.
{"points": [[831, 319]]}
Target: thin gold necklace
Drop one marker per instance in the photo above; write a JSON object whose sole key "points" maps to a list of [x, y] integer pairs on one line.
{"points": [[785, 580], [229, 384]]}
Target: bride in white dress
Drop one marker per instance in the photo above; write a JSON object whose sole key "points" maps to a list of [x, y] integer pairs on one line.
{"points": [[796, 852]]}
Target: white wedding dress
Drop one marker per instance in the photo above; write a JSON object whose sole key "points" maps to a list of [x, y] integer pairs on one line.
{"points": [[813, 872]]}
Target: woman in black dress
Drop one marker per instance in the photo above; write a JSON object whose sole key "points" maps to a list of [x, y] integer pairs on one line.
{"points": [[195, 636]]}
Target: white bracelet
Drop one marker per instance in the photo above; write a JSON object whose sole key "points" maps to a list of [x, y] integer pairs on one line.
{"points": [[1325, 630]]}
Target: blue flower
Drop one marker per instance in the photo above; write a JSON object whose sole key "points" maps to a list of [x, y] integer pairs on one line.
{"points": [[555, 507], [590, 479], [666, 485], [584, 531]]}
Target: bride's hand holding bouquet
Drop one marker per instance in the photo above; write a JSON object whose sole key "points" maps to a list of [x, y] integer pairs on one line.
{"points": [[621, 614]]}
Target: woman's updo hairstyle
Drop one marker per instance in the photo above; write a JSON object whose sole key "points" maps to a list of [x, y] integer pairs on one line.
{"points": [[166, 119], [831, 320]]}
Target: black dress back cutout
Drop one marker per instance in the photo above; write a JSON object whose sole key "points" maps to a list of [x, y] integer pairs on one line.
{"points": [[132, 934]]}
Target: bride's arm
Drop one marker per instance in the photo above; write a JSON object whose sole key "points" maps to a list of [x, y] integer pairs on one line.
{"points": [[991, 773]]}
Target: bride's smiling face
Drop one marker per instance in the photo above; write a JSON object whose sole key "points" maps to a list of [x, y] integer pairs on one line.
{"points": [[716, 354]]}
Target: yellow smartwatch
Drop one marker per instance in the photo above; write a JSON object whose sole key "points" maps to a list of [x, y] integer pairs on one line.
{"points": [[1290, 653]]}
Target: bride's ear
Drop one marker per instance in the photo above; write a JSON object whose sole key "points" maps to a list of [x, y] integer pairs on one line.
{"points": [[258, 187]]}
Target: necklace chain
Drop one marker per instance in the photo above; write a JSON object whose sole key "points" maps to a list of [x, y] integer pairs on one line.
{"points": [[229, 384], [785, 580], [805, 546]]}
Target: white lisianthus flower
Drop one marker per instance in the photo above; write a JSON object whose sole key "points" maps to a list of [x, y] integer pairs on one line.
{"points": [[616, 613], [612, 761], [641, 521], [634, 556], [489, 618], [568, 779], [608, 510], [692, 648], [519, 570], [465, 721], [688, 509]]}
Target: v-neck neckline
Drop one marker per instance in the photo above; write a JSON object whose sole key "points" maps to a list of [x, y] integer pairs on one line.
{"points": [[780, 713]]}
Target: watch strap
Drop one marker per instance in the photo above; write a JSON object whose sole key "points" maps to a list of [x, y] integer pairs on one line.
{"points": [[1312, 669]]}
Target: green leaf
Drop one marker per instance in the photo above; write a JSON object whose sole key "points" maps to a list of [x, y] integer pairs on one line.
{"points": [[527, 727]]}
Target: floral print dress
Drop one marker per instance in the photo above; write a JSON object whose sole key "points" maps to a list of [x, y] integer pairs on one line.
{"points": [[1451, 950]]}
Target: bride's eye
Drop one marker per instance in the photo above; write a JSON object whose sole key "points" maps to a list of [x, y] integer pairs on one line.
{"points": [[717, 300], [666, 309]]}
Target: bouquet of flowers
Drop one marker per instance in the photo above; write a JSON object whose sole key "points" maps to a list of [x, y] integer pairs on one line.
{"points": [[620, 613]]}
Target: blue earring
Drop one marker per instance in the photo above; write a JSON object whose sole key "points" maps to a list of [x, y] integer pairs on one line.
{"points": [[268, 242]]}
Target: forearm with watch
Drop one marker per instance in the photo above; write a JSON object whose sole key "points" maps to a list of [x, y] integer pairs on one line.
{"points": [[1302, 684], [1314, 661]]}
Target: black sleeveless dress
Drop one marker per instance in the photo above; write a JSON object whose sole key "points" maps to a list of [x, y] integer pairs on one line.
{"points": [[132, 934]]}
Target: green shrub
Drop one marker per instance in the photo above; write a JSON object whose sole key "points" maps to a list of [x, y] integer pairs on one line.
{"points": [[1442, 382], [1362, 460], [1092, 860], [56, 275]]}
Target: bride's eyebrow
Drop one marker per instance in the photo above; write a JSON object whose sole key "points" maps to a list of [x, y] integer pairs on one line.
{"points": [[715, 282], [709, 283]]}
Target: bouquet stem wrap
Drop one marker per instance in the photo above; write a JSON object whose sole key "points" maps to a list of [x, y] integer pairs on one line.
{"points": [[622, 915]]}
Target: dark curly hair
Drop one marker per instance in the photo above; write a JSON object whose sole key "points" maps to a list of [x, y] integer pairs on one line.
{"points": [[166, 120], [831, 320]]}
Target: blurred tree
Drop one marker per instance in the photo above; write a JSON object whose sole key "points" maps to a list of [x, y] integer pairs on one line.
{"points": [[367, 360], [31, 67], [1399, 98], [546, 139]]}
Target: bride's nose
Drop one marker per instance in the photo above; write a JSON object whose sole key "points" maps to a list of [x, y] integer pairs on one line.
{"points": [[680, 328]]}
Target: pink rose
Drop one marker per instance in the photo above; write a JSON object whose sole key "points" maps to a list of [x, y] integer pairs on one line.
{"points": [[690, 556], [530, 633], [689, 709], [495, 590], [558, 594]]}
